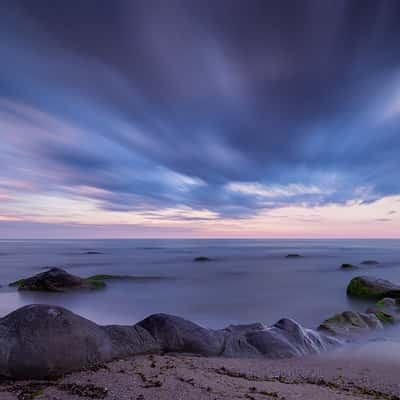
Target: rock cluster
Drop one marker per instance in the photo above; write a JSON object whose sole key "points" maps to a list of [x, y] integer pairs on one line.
{"points": [[40, 341]]}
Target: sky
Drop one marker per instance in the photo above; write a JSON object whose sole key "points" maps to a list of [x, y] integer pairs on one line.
{"points": [[189, 118]]}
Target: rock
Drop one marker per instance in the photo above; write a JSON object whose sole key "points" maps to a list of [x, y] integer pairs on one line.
{"points": [[350, 323], [201, 259], [287, 338], [130, 340], [386, 310], [348, 266], [40, 341], [372, 288], [369, 262], [175, 334], [55, 280], [91, 252], [293, 255], [59, 280]]}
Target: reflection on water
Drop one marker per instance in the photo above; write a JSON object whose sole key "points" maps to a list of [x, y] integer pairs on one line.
{"points": [[246, 281]]}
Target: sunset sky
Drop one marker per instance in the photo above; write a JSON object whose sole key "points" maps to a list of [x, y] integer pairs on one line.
{"points": [[199, 118]]}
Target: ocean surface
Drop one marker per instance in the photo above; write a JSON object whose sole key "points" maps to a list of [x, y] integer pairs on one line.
{"points": [[246, 281]]}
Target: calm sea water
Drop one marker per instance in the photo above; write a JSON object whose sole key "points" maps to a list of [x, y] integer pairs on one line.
{"points": [[247, 281]]}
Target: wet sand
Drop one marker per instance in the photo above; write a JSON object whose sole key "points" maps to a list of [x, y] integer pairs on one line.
{"points": [[346, 374]]}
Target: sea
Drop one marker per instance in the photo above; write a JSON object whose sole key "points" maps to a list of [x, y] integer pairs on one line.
{"points": [[245, 281]]}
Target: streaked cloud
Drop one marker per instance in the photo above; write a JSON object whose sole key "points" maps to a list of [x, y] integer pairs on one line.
{"points": [[198, 119]]}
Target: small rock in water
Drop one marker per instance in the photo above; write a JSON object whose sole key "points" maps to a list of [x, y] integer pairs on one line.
{"points": [[348, 266], [55, 280], [202, 258], [293, 255], [370, 262]]}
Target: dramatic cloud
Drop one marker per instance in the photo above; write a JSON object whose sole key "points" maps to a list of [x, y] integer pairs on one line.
{"points": [[150, 112]]}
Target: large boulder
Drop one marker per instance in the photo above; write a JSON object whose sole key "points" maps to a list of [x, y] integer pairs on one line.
{"points": [[40, 341], [175, 334], [55, 280], [372, 288], [350, 323]]}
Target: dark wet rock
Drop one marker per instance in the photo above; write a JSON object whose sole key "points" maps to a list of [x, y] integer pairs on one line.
{"points": [[287, 338], [350, 323], [348, 266], [39, 341], [55, 280], [293, 255], [386, 310], [130, 340], [201, 259], [372, 288], [369, 262], [59, 280], [175, 334]]}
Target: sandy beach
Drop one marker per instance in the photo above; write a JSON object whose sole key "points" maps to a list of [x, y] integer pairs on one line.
{"points": [[346, 374]]}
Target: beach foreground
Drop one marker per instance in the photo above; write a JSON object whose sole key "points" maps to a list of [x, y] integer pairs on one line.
{"points": [[337, 375]]}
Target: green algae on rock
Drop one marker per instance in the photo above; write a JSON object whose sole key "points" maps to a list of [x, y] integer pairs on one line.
{"points": [[372, 288]]}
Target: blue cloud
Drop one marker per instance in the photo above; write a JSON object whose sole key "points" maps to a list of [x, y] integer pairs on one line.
{"points": [[170, 106]]}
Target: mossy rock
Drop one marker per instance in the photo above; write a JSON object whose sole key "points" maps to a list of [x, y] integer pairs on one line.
{"points": [[372, 288], [348, 266], [384, 317], [350, 323], [293, 255]]}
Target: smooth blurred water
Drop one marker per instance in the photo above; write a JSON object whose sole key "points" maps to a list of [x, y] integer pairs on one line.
{"points": [[247, 281]]}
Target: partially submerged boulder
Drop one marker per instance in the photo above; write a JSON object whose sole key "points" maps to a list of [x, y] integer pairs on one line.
{"points": [[386, 310], [348, 266], [59, 280], [55, 280], [287, 338], [369, 262], [350, 323], [201, 259], [372, 288]]}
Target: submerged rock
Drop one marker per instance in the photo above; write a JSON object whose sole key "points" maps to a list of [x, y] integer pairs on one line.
{"points": [[201, 259], [293, 255], [386, 310], [372, 288], [59, 280], [369, 262], [55, 280], [348, 266], [350, 323]]}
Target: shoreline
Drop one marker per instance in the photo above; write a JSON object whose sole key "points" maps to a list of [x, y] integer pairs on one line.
{"points": [[334, 375]]}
